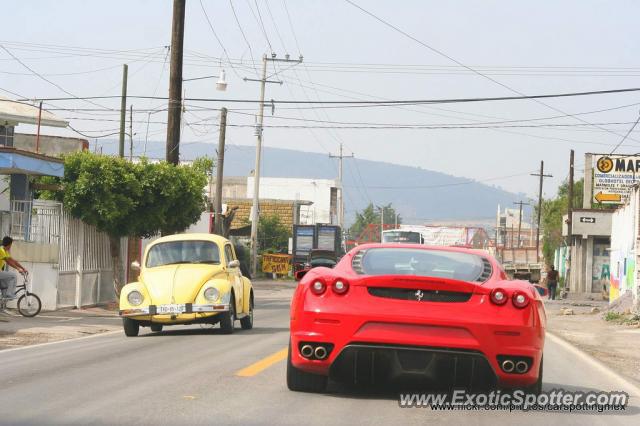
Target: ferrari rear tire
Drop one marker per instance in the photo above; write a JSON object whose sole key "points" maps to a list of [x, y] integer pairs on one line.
{"points": [[247, 322], [301, 381], [228, 319], [156, 328], [131, 327]]}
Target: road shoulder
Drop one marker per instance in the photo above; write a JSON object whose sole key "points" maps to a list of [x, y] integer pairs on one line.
{"points": [[583, 324]]}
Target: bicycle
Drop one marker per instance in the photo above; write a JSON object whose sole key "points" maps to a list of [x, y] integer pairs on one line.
{"points": [[28, 304]]}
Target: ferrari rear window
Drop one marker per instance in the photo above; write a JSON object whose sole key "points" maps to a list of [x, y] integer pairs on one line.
{"points": [[175, 252], [421, 262]]}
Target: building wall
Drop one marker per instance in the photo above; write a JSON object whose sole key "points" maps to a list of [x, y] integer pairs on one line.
{"points": [[625, 249], [232, 187], [318, 191], [281, 208], [49, 145]]}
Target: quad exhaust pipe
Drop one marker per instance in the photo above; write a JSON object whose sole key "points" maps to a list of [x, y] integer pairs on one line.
{"points": [[515, 365], [508, 366], [320, 352], [522, 367], [317, 351], [306, 351]]}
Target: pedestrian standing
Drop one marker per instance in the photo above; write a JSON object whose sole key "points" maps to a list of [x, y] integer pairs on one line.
{"points": [[552, 282]]}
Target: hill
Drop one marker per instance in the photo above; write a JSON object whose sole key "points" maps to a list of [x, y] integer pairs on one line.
{"points": [[419, 195]]}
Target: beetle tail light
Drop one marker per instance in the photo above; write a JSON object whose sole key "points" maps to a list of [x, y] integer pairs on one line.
{"points": [[520, 299], [498, 296], [318, 287], [340, 286]]}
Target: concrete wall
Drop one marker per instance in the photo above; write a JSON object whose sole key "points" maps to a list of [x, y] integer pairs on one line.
{"points": [[49, 145], [232, 187], [583, 223], [44, 283], [625, 250], [317, 191]]}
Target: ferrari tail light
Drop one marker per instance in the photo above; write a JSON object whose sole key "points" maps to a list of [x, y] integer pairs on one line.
{"points": [[318, 287], [340, 286], [519, 299], [499, 296]]}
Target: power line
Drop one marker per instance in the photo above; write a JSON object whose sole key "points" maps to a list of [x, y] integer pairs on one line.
{"points": [[34, 72], [224, 49], [264, 30], [626, 135], [362, 103], [235, 15], [535, 99]]}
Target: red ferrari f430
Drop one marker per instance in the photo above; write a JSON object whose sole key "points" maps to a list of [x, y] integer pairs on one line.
{"points": [[428, 316]]}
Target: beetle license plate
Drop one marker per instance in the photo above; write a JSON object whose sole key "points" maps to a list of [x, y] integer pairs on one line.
{"points": [[170, 309]]}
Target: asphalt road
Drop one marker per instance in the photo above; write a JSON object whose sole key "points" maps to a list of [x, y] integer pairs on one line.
{"points": [[198, 376]]}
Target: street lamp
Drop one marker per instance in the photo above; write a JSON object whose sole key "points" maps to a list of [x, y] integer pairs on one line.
{"points": [[221, 84]]}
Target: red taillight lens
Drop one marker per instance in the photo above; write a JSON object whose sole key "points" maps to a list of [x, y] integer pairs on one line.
{"points": [[318, 287], [499, 296], [519, 299], [340, 286]]}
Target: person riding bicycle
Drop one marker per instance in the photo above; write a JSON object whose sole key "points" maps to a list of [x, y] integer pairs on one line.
{"points": [[7, 279]]}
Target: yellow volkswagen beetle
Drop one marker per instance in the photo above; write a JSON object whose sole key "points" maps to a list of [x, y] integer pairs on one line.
{"points": [[188, 279]]}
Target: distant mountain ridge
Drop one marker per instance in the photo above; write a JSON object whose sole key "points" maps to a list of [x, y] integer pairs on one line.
{"points": [[419, 195]]}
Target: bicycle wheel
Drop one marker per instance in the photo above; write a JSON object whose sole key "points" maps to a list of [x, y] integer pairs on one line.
{"points": [[29, 305]]}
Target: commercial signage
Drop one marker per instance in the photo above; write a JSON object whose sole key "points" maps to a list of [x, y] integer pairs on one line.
{"points": [[613, 177]]}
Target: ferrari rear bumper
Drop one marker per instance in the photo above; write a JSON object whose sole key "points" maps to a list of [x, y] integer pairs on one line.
{"points": [[456, 351]]}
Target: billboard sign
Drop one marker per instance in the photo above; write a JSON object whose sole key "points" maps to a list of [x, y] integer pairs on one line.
{"points": [[613, 177]]}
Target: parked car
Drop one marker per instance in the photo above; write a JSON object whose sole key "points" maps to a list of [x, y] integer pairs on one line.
{"points": [[188, 279], [434, 316]]}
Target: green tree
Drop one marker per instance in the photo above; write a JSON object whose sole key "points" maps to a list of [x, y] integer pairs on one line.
{"points": [[371, 215], [551, 218], [124, 199], [273, 236]]}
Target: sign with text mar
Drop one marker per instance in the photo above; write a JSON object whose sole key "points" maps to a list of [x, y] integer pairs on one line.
{"points": [[613, 177]]}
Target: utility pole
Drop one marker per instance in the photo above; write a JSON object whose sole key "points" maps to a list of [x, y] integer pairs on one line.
{"points": [[38, 134], [542, 176], [381, 223], [570, 200], [130, 132], [340, 157], [219, 172], [255, 212], [521, 203], [175, 83], [123, 109], [569, 222]]}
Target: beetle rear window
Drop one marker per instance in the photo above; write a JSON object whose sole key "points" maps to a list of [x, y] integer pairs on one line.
{"points": [[421, 262], [176, 252]]}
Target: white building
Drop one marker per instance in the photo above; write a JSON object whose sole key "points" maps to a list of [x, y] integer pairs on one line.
{"points": [[322, 192]]}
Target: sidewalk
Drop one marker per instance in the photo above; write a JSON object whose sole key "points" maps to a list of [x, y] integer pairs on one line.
{"points": [[583, 324], [16, 330]]}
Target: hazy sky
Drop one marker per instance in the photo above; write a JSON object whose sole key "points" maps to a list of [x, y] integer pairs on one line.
{"points": [[534, 47]]}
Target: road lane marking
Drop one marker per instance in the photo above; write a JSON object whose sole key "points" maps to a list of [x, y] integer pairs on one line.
{"points": [[595, 363], [263, 364]]}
